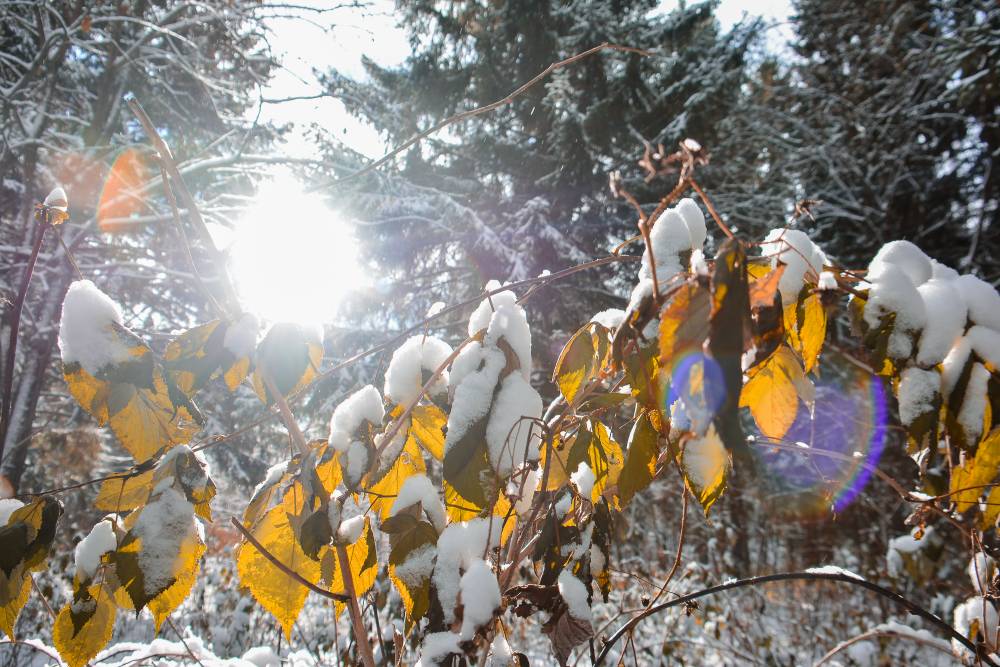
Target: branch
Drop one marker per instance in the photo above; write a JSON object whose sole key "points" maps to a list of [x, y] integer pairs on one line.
{"points": [[481, 110], [883, 631], [910, 606], [284, 568]]}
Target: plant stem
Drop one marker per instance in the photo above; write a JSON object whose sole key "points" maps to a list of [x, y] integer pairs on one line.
{"points": [[360, 632]]}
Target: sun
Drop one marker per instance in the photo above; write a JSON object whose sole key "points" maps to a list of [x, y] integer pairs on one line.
{"points": [[294, 259]]}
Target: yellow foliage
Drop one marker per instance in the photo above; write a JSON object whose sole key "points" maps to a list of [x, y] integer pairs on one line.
{"points": [[14, 592], [121, 494], [363, 565], [427, 427], [705, 463], [968, 480], [77, 646], [772, 393], [805, 326]]}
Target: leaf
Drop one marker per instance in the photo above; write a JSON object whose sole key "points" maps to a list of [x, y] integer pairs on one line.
{"points": [[40, 517], [581, 360], [427, 426], [121, 494], [467, 465], [642, 374], [363, 564], [730, 313], [275, 591], [290, 355], [200, 354], [591, 445], [79, 639], [684, 323], [772, 392], [705, 463], [14, 592], [968, 480], [640, 459], [382, 493], [763, 289], [409, 535], [805, 324], [186, 568]]}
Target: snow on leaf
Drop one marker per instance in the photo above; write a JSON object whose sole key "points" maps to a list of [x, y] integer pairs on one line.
{"points": [[290, 354]]}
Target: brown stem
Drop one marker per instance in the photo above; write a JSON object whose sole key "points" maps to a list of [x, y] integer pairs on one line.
{"points": [[711, 209], [248, 536], [357, 622], [285, 412]]}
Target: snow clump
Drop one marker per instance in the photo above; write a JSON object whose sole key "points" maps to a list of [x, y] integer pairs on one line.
{"points": [[86, 333]]}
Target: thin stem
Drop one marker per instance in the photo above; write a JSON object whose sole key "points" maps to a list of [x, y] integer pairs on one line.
{"points": [[910, 606], [711, 209], [357, 622]]}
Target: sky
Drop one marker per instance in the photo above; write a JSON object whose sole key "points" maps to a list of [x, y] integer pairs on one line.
{"points": [[339, 38]]}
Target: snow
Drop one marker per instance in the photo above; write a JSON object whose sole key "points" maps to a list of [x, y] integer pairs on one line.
{"points": [[405, 376], [85, 332], [905, 545], [981, 612], [436, 646], [905, 256], [523, 490], [827, 281], [473, 396], [363, 405], [7, 507], [57, 199], [981, 570], [945, 322], [347, 520], [510, 323], [668, 238], [165, 523], [89, 550], [512, 439], [704, 456], [500, 653], [598, 562], [418, 565], [610, 318], [583, 479], [893, 292], [574, 593], [698, 265], [982, 300], [481, 316], [458, 547], [833, 569], [800, 255], [241, 336], [262, 656], [939, 270], [467, 361], [274, 474], [563, 506], [419, 489], [918, 390], [356, 464], [954, 363], [986, 343], [480, 597], [694, 220], [973, 410]]}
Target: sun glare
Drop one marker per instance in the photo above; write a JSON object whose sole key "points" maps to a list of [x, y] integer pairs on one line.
{"points": [[294, 259]]}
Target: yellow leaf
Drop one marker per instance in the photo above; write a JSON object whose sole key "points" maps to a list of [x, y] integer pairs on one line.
{"points": [[185, 571], [122, 494], [639, 467], [363, 564], [96, 612], [805, 324], [457, 507], [427, 426], [200, 354], [772, 392], [578, 362], [382, 493], [705, 463], [684, 324], [968, 480], [291, 356], [276, 592], [14, 592]]}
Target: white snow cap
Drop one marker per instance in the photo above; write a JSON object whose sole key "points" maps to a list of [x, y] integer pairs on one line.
{"points": [[610, 318], [892, 291], [363, 405], [7, 507], [262, 656], [474, 393], [945, 322], [437, 646], [480, 597], [419, 489], [827, 280], [981, 570], [166, 522], [511, 435], [85, 333], [458, 547], [907, 257], [89, 550], [802, 258], [679, 229], [500, 653], [918, 391], [347, 520], [973, 411], [986, 343], [982, 300], [980, 612], [574, 593], [583, 479], [405, 375], [57, 199], [241, 336]]}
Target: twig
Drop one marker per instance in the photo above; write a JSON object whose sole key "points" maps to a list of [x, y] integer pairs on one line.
{"points": [[284, 568], [177, 632], [480, 110], [909, 605], [711, 209], [360, 632], [882, 632]]}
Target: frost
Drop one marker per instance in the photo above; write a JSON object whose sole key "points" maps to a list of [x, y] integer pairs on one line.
{"points": [[480, 597], [164, 525], [89, 550], [86, 335], [610, 318], [982, 300], [918, 390], [833, 569], [800, 255], [241, 336], [945, 322], [574, 593], [363, 405], [583, 479], [405, 376], [458, 547], [7, 507], [907, 257], [892, 291], [511, 435], [419, 489]]}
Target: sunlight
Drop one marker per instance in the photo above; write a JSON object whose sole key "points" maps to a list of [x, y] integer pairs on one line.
{"points": [[294, 259]]}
